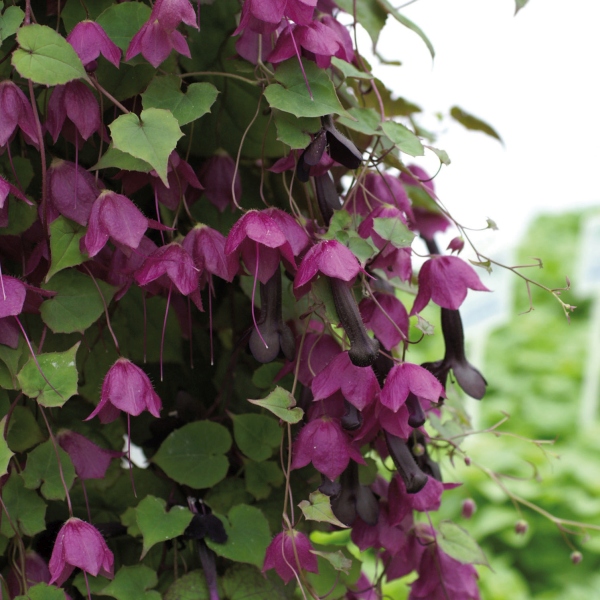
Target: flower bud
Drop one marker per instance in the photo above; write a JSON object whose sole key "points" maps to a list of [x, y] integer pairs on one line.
{"points": [[468, 508], [521, 527], [576, 557]]}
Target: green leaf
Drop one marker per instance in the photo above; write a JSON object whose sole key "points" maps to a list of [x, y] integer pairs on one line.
{"points": [[192, 586], [194, 455], [349, 70], [56, 382], [293, 131], [244, 582], [121, 160], [368, 13], [43, 591], [264, 376], [129, 520], [393, 230], [256, 435], [472, 123], [248, 536], [77, 303], [458, 543], [21, 217], [291, 94], [26, 509], [261, 477], [12, 359], [42, 468], [338, 560], [407, 23], [404, 139], [23, 430], [158, 525], [318, 508], [164, 92], [126, 81], [10, 21], [441, 154], [64, 245], [282, 404], [132, 583], [361, 248], [519, 4], [5, 452], [46, 57], [151, 137], [122, 21], [340, 221], [367, 120]]}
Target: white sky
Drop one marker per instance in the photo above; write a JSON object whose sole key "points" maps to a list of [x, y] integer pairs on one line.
{"points": [[533, 77]]}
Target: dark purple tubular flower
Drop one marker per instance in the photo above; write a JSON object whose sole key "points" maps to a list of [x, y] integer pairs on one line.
{"points": [[271, 335], [116, 217], [445, 280], [340, 149], [90, 461], [354, 499], [467, 376], [158, 36], [15, 111], [126, 387], [89, 41], [414, 479], [337, 262], [220, 180], [290, 551], [76, 102], [327, 196], [442, 577], [81, 545]]}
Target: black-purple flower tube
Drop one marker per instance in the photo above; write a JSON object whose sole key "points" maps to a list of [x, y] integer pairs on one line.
{"points": [[414, 479], [271, 334]]}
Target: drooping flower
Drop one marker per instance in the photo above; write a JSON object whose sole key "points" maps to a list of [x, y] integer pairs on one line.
{"points": [[90, 461], [207, 247], [282, 552], [12, 296], [381, 188], [71, 190], [386, 316], [89, 41], [79, 544], [406, 378], [221, 180], [323, 442], [173, 261], [261, 243], [116, 217], [413, 477], [158, 36], [36, 571], [126, 387], [266, 15], [445, 280], [442, 577], [352, 499], [15, 111], [76, 102], [358, 385]]}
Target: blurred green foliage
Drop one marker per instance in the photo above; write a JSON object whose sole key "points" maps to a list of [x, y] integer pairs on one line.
{"points": [[535, 366]]}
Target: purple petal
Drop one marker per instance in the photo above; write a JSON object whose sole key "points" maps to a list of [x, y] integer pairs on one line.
{"points": [[12, 296]]}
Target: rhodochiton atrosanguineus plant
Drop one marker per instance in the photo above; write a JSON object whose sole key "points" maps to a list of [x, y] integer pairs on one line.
{"points": [[157, 159]]}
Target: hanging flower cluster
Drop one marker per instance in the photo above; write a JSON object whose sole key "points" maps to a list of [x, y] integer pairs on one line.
{"points": [[201, 205]]}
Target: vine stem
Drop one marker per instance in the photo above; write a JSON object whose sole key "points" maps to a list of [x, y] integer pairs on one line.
{"points": [[252, 82]]}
